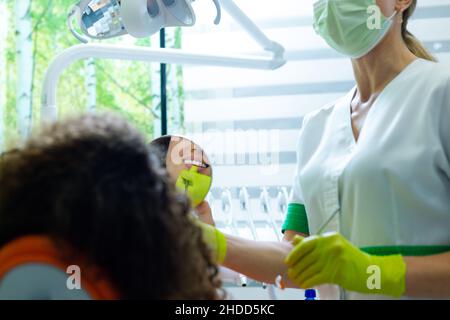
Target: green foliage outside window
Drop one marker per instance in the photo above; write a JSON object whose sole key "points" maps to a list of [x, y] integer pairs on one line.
{"points": [[124, 87]]}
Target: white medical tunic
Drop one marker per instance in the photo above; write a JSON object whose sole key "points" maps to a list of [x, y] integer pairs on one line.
{"points": [[392, 186]]}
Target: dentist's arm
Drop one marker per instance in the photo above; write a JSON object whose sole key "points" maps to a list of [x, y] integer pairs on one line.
{"points": [[258, 260], [428, 276]]}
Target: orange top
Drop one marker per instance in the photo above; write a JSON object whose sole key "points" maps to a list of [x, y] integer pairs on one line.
{"points": [[41, 249]]}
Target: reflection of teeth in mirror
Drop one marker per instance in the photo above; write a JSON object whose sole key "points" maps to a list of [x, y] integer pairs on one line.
{"points": [[185, 150], [196, 163]]}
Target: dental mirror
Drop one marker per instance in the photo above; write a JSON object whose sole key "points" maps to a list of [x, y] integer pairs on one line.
{"points": [[187, 164]]}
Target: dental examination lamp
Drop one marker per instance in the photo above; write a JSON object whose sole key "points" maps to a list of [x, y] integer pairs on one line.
{"points": [[105, 19]]}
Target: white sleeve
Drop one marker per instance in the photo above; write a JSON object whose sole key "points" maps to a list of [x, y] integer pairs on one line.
{"points": [[297, 194], [445, 125], [296, 216]]}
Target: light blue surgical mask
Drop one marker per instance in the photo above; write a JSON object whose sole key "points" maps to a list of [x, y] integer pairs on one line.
{"points": [[351, 27]]}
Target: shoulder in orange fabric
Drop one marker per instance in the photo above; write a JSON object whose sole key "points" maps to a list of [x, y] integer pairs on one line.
{"points": [[42, 250]]}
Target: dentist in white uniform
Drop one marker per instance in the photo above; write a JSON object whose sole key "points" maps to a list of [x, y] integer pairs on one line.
{"points": [[380, 157]]}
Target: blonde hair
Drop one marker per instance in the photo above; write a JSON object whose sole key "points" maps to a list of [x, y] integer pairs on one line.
{"points": [[413, 44]]}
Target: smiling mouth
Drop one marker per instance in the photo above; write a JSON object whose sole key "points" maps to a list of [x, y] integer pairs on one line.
{"points": [[197, 164]]}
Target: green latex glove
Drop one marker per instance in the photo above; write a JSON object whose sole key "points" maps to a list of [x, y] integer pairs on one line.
{"points": [[215, 240], [195, 184], [332, 259]]}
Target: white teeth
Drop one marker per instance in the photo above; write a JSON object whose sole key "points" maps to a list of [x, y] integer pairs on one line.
{"points": [[195, 163]]}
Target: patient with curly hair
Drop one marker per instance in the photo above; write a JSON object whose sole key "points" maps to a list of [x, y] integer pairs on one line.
{"points": [[86, 210]]}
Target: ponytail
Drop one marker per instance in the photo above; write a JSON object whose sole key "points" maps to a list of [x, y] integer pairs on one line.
{"points": [[413, 44]]}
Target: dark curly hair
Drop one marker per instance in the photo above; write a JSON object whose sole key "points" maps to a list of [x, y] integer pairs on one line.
{"points": [[92, 182]]}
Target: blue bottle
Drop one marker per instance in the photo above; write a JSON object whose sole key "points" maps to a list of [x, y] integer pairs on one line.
{"points": [[310, 294]]}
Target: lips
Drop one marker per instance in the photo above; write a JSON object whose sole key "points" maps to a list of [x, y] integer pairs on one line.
{"points": [[201, 169]]}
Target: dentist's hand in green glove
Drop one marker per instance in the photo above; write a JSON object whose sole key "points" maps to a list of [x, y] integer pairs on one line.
{"points": [[215, 240], [195, 184], [204, 213], [332, 259]]}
